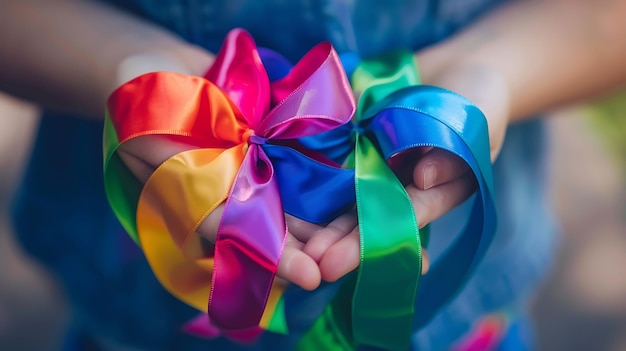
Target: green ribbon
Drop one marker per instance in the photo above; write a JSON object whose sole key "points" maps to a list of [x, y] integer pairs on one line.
{"points": [[123, 191], [391, 255], [375, 305], [391, 252]]}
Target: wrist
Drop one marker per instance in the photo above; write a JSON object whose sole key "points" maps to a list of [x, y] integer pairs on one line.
{"points": [[432, 61], [186, 59], [478, 81]]}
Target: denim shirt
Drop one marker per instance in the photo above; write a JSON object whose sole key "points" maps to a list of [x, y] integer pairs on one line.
{"points": [[62, 218]]}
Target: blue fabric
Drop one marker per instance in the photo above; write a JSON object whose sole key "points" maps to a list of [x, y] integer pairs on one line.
{"points": [[62, 219], [519, 336]]}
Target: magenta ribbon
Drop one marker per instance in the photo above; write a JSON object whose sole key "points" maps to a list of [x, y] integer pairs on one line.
{"points": [[314, 97]]}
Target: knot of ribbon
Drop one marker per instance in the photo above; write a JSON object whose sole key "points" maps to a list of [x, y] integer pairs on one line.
{"points": [[255, 139], [240, 128]]}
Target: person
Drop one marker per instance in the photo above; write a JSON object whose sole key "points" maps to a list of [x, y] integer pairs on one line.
{"points": [[513, 59]]}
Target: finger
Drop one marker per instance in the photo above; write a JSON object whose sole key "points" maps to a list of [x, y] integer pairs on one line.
{"points": [[208, 227], [425, 261], [432, 203], [325, 237], [341, 258], [403, 163], [294, 265], [302, 230], [438, 167], [297, 267], [344, 257], [142, 155]]}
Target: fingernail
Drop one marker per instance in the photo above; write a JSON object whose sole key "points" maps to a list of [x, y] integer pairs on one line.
{"points": [[430, 176]]}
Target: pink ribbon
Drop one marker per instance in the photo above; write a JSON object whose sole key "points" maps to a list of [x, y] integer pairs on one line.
{"points": [[314, 97]]}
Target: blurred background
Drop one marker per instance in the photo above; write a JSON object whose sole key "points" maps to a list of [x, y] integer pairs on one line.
{"points": [[582, 306]]}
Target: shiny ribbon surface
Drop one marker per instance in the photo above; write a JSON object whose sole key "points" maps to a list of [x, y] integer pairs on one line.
{"points": [[266, 138], [380, 305], [240, 130]]}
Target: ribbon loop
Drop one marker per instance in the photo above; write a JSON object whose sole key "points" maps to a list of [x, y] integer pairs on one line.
{"points": [[249, 244]]}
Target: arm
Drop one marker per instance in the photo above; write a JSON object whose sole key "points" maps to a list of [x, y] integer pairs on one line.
{"points": [[547, 52], [71, 54], [527, 57], [524, 58]]}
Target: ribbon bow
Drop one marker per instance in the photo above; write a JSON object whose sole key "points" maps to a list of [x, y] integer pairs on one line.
{"points": [[380, 305], [238, 125]]}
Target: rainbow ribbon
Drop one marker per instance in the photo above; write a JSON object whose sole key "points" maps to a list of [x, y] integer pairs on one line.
{"points": [[240, 129], [244, 154], [380, 304]]}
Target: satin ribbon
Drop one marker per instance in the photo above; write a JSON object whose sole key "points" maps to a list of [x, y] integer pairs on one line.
{"points": [[237, 126], [378, 305]]}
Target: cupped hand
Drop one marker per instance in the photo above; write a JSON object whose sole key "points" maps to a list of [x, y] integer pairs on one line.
{"points": [[440, 180], [144, 154]]}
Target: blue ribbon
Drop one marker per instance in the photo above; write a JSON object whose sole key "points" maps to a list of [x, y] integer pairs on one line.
{"points": [[408, 118], [429, 116]]}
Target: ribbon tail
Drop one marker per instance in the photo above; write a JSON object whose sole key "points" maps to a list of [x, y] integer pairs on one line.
{"points": [[274, 319], [375, 305], [202, 327], [332, 329], [249, 244], [177, 197], [391, 255]]}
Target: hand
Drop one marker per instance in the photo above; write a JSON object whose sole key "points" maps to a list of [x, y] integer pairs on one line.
{"points": [[440, 180], [191, 60], [143, 154]]}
